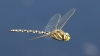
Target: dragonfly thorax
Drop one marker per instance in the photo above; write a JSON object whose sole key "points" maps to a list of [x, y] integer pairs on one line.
{"points": [[60, 35]]}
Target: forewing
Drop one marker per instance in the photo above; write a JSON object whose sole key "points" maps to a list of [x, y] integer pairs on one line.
{"points": [[52, 24], [65, 18]]}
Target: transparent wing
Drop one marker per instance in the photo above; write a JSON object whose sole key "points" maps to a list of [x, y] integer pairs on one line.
{"points": [[38, 37], [52, 24], [65, 18]]}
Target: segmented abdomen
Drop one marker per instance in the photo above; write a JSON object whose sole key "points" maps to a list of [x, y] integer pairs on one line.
{"points": [[28, 31]]}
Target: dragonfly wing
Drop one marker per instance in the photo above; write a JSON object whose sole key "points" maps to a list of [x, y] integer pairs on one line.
{"points": [[52, 24], [38, 37], [65, 18]]}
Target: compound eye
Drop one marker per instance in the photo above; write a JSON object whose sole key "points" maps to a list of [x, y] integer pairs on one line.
{"points": [[65, 35]]}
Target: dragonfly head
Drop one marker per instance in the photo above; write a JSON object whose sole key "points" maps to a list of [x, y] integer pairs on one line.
{"points": [[66, 37]]}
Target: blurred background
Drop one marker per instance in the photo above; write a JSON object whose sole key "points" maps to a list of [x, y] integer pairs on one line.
{"points": [[83, 26]]}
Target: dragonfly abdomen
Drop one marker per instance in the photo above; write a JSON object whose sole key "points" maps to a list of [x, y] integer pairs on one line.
{"points": [[28, 31]]}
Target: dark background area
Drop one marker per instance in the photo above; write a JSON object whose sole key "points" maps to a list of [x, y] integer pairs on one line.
{"points": [[83, 26]]}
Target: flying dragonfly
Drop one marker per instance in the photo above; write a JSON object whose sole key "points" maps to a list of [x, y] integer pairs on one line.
{"points": [[53, 28]]}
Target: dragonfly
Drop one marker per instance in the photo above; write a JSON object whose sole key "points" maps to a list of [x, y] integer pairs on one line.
{"points": [[53, 28]]}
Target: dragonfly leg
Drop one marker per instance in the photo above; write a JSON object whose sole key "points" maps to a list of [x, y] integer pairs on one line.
{"points": [[38, 37]]}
